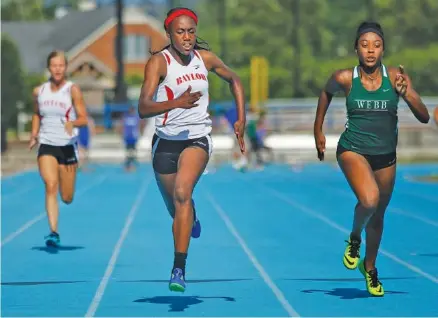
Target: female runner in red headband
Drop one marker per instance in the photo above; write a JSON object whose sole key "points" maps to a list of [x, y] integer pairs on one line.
{"points": [[175, 92]]}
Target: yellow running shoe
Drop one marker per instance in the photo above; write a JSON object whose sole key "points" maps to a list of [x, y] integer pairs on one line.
{"points": [[374, 286], [351, 254]]}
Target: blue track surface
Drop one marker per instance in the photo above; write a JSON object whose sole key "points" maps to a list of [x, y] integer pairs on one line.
{"points": [[272, 245]]}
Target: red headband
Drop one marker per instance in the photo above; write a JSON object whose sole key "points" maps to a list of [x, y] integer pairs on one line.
{"points": [[178, 13]]}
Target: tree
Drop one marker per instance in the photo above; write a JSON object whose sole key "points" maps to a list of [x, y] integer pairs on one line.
{"points": [[306, 40], [19, 10], [12, 85], [253, 29], [267, 28], [33, 10]]}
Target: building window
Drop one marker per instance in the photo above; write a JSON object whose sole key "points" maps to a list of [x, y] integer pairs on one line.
{"points": [[136, 48]]}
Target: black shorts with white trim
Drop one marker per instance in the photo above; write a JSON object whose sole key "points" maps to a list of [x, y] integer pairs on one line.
{"points": [[65, 155], [165, 153]]}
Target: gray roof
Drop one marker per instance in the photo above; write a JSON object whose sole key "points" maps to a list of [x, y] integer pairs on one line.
{"points": [[35, 40]]}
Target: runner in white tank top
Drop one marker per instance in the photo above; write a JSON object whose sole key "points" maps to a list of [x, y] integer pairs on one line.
{"points": [[59, 111], [180, 123], [175, 92], [55, 109]]}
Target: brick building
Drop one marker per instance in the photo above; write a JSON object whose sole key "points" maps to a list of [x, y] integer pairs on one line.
{"points": [[88, 38]]}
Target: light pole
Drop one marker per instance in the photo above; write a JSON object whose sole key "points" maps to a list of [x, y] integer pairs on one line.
{"points": [[120, 93], [222, 19]]}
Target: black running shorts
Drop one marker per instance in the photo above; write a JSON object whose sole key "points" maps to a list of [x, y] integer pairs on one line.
{"points": [[165, 153], [65, 155], [376, 162]]}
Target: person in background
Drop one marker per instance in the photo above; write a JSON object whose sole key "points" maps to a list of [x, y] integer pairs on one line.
{"points": [[130, 128], [84, 136], [59, 111], [261, 132]]}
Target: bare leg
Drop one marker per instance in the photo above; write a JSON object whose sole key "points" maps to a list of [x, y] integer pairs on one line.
{"points": [[67, 178], [361, 179], [385, 179], [48, 167], [191, 165]]}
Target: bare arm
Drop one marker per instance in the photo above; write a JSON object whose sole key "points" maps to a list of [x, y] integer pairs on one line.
{"points": [[338, 82], [81, 111], [142, 126], [435, 115], [413, 99], [155, 69], [404, 87], [92, 126], [119, 126], [216, 65], [36, 114]]}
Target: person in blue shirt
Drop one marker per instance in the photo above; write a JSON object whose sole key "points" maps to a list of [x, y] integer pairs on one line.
{"points": [[260, 136], [84, 136], [131, 126]]}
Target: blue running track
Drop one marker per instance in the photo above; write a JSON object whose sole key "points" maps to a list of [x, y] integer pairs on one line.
{"points": [[272, 245]]}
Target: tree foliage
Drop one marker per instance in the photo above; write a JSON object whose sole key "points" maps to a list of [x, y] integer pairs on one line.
{"points": [[304, 41], [13, 83], [33, 10], [307, 40]]}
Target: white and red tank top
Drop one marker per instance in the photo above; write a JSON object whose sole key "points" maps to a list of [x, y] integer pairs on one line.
{"points": [[55, 109], [179, 123]]}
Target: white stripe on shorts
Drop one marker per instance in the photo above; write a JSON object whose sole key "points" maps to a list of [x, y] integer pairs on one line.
{"points": [[154, 147], [210, 145], [76, 150]]}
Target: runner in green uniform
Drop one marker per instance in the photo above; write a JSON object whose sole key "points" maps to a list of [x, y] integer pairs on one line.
{"points": [[251, 132], [367, 149]]}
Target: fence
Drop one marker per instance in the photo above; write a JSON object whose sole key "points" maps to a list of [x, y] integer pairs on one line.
{"points": [[290, 133]]}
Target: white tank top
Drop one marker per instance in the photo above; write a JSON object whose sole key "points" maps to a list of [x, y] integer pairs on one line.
{"points": [[179, 123], [55, 109]]}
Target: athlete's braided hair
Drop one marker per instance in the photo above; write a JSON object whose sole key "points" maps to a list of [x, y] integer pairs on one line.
{"points": [[200, 43]]}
